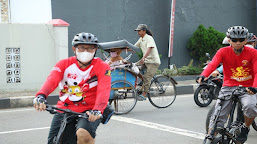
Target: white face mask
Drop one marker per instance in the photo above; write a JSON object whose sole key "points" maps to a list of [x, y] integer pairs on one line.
{"points": [[85, 56]]}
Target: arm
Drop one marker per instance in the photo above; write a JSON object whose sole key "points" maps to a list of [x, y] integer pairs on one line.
{"points": [[103, 88], [217, 71], [149, 49], [52, 81], [220, 69], [150, 46], [50, 84], [255, 68], [217, 59]]}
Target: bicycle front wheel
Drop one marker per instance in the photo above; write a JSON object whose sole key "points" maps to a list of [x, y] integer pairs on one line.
{"points": [[202, 97], [123, 96], [162, 92], [254, 124]]}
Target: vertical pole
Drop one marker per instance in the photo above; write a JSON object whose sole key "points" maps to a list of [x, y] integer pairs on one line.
{"points": [[172, 18]]}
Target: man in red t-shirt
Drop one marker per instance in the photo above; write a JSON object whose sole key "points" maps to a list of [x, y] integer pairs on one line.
{"points": [[84, 83], [240, 68]]}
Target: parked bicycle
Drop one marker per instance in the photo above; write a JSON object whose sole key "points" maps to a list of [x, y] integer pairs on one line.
{"points": [[124, 88], [226, 135], [69, 115]]}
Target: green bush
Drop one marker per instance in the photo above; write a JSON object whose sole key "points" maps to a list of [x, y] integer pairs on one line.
{"points": [[205, 41], [184, 70]]}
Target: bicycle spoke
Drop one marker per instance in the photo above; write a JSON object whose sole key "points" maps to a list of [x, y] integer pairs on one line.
{"points": [[162, 92], [124, 96]]}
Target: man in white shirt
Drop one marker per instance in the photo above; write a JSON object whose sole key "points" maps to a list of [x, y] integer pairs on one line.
{"points": [[150, 59]]}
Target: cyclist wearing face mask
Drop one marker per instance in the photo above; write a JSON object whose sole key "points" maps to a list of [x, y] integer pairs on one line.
{"points": [[84, 83], [239, 68]]}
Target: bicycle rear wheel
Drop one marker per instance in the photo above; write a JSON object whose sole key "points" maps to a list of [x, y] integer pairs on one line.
{"points": [[124, 97], [162, 92]]}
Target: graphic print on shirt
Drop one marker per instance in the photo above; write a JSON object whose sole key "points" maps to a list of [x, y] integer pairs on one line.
{"points": [[241, 74], [245, 62], [75, 83]]}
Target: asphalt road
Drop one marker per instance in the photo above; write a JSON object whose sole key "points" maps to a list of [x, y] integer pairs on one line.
{"points": [[181, 123]]}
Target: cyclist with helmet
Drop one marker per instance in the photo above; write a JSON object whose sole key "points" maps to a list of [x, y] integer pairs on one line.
{"points": [[251, 40], [84, 83], [240, 68]]}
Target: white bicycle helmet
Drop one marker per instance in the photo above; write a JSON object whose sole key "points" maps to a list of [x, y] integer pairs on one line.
{"points": [[237, 32], [251, 37], [225, 41]]}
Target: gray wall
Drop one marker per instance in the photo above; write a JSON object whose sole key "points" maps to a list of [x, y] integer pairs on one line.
{"points": [[116, 19]]}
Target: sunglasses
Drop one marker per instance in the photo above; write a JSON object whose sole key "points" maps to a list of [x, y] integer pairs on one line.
{"points": [[239, 39]]}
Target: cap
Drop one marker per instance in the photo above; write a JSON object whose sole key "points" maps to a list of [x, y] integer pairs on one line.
{"points": [[141, 27]]}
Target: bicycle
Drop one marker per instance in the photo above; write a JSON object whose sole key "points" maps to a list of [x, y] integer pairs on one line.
{"points": [[125, 90], [226, 135], [68, 114]]}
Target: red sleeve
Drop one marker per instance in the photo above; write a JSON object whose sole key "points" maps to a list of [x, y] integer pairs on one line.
{"points": [[216, 60], [254, 61], [52, 81], [104, 86]]}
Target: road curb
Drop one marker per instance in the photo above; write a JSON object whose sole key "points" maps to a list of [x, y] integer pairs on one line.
{"points": [[26, 101]]}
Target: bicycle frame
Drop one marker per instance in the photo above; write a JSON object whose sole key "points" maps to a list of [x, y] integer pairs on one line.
{"points": [[214, 119], [67, 114]]}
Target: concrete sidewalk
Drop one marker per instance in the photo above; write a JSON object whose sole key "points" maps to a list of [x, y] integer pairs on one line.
{"points": [[186, 85]]}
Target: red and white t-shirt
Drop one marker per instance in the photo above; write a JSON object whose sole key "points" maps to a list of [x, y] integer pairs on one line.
{"points": [[237, 69], [81, 89]]}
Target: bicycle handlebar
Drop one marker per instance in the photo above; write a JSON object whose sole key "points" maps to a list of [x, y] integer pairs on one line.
{"points": [[52, 109]]}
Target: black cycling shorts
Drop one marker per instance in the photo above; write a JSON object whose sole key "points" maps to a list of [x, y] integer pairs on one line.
{"points": [[69, 134]]}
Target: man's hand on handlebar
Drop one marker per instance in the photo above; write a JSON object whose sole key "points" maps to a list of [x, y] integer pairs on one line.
{"points": [[215, 73], [251, 90], [39, 103], [200, 79], [94, 115]]}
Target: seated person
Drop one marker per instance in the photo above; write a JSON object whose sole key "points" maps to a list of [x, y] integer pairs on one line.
{"points": [[115, 58], [217, 71], [251, 40]]}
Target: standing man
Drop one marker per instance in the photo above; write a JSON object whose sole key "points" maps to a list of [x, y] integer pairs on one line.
{"points": [[150, 59], [85, 85]]}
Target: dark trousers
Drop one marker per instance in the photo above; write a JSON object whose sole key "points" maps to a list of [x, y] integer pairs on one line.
{"points": [[69, 134]]}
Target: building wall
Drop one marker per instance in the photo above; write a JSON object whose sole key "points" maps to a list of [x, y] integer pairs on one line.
{"points": [[37, 51], [113, 20]]}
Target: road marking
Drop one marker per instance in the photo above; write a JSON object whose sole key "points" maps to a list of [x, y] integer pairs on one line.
{"points": [[6, 111], [23, 130], [160, 127], [136, 122]]}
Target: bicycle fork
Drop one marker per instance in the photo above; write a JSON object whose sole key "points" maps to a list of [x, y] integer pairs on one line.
{"points": [[213, 122]]}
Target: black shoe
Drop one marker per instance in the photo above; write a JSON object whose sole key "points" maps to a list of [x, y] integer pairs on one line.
{"points": [[235, 129], [242, 137]]}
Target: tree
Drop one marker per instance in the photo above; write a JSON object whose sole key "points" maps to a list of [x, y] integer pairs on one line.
{"points": [[205, 41]]}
